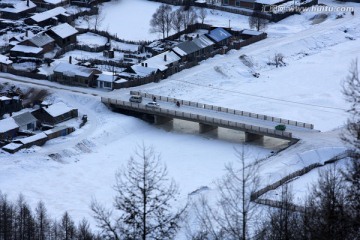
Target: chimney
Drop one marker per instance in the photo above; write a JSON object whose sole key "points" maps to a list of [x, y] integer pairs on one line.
{"points": [[142, 64], [145, 64], [27, 3], [70, 59], [26, 33], [165, 58]]}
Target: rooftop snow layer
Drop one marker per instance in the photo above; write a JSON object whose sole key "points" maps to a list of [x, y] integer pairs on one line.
{"points": [[31, 139], [58, 109], [159, 62], [64, 30], [73, 70], [19, 7], [7, 124], [39, 17], [26, 49], [203, 41], [5, 59]]}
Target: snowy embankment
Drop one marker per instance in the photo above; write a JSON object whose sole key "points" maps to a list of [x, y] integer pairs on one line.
{"points": [[308, 89]]}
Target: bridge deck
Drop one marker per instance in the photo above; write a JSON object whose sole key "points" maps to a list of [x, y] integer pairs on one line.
{"points": [[213, 115]]}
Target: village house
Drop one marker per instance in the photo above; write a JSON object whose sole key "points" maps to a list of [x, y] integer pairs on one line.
{"points": [[26, 51], [206, 44], [247, 33], [18, 10], [162, 62], [37, 140], [63, 34], [69, 74], [41, 40], [50, 17], [9, 105], [20, 37], [5, 63], [26, 121], [219, 36], [55, 113], [138, 71], [8, 129], [188, 51]]}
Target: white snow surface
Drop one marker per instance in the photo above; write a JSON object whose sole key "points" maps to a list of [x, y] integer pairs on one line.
{"points": [[307, 89]]}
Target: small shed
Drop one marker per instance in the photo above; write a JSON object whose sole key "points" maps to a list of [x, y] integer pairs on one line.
{"points": [[26, 121], [41, 40], [187, 50], [12, 147], [8, 129], [37, 139], [5, 63], [106, 81], [59, 131], [9, 105], [49, 17], [247, 33], [26, 51], [56, 113]]}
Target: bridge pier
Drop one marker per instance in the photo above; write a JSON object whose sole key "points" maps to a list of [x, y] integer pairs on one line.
{"points": [[203, 128], [249, 137], [161, 119]]}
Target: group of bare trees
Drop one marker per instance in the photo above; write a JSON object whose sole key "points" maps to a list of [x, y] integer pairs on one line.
{"points": [[165, 19], [18, 221]]}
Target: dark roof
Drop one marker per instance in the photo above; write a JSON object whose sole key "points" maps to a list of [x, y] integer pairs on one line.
{"points": [[219, 34], [24, 118], [188, 47], [41, 39]]}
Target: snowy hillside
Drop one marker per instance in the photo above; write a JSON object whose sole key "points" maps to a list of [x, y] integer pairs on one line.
{"points": [[307, 89]]}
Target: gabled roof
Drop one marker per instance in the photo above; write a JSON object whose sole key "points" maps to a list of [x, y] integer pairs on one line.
{"points": [[39, 17], [7, 124], [106, 78], [68, 69], [64, 30], [186, 48], [22, 36], [58, 109], [24, 118], [34, 138], [158, 61], [219, 34], [203, 41], [26, 49], [41, 40], [19, 7]]}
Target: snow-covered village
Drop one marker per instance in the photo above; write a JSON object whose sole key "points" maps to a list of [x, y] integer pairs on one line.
{"points": [[179, 119]]}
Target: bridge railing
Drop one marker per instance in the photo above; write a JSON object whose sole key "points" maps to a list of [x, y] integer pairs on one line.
{"points": [[200, 118], [227, 110]]}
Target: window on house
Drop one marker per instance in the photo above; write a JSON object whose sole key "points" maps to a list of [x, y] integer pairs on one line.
{"points": [[226, 2], [107, 84], [237, 3]]}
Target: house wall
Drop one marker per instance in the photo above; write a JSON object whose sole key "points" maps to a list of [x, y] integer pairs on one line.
{"points": [[74, 80], [9, 134]]}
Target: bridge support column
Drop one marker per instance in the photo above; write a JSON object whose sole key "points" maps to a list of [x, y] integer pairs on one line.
{"points": [[161, 119], [249, 137], [203, 128]]}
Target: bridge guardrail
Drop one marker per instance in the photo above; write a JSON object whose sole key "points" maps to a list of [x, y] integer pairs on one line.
{"points": [[197, 117], [227, 110]]}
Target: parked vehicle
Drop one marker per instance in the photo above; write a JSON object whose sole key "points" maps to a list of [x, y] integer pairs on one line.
{"points": [[136, 98], [280, 127], [152, 105]]}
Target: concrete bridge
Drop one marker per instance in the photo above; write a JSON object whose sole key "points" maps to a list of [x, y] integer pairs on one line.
{"points": [[211, 117]]}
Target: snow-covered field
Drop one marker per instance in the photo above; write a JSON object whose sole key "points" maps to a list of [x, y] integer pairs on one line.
{"points": [[308, 89]]}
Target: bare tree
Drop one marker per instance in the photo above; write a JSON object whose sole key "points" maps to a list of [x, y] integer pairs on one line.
{"points": [[177, 19], [189, 17], [257, 22], [98, 19], [202, 14], [161, 20], [144, 200], [233, 212]]}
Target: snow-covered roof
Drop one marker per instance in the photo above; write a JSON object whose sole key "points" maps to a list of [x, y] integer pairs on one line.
{"points": [[121, 80], [24, 118], [203, 41], [179, 51], [58, 109], [73, 70], [251, 32], [23, 36], [64, 30], [219, 34], [143, 71], [12, 146], [26, 49], [39, 17], [55, 129], [31, 139], [5, 59], [41, 39], [20, 6], [106, 78], [7, 124], [159, 62]]}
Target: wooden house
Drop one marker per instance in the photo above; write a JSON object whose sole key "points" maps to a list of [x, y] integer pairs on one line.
{"points": [[41, 40], [105, 81], [9, 105], [50, 17], [35, 140], [26, 51], [5, 63], [63, 34], [69, 74], [162, 62], [206, 44], [18, 10], [188, 51], [56, 113], [59, 131]]}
